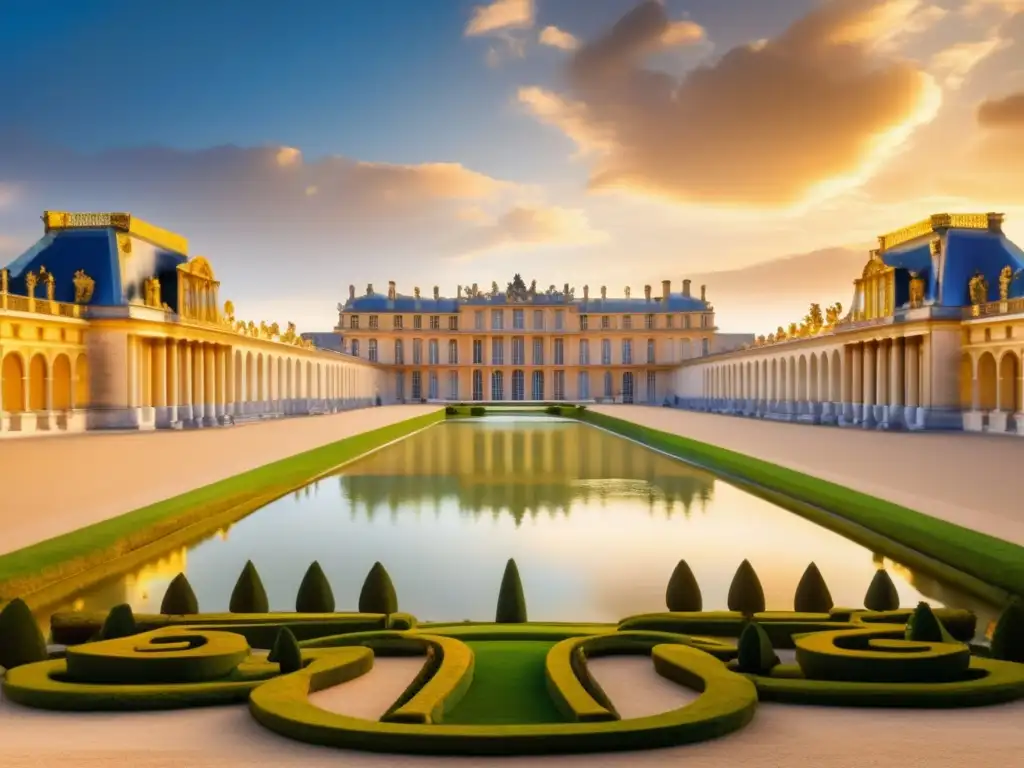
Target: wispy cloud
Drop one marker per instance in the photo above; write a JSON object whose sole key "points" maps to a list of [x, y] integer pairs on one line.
{"points": [[499, 15], [557, 38]]}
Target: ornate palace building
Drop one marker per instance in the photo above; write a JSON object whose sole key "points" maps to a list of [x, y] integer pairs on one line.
{"points": [[933, 340], [524, 344], [106, 322]]}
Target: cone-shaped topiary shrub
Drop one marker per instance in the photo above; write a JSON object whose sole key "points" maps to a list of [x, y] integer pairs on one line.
{"points": [[756, 655], [249, 596], [881, 594], [315, 594], [924, 626], [745, 593], [683, 592], [21, 641], [812, 595], [120, 622], [378, 593], [286, 651], [511, 600], [179, 599], [1007, 637]]}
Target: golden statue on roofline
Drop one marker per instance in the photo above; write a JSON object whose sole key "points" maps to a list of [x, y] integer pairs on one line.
{"points": [[1005, 278]]}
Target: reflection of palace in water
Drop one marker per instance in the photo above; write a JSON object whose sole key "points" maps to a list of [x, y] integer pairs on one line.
{"points": [[142, 589], [522, 470]]}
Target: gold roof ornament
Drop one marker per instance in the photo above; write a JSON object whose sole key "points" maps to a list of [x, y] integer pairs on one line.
{"points": [[122, 222]]}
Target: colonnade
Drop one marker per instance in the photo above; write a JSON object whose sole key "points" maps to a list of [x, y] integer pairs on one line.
{"points": [[179, 382], [43, 391], [991, 390], [869, 383]]}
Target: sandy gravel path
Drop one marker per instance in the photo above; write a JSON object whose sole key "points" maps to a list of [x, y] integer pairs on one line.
{"points": [[370, 695], [965, 478], [635, 688], [779, 737], [53, 485]]}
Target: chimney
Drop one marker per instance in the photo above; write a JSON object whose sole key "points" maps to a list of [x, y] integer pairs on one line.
{"points": [[458, 292], [369, 289], [604, 292], [686, 288], [647, 293], [392, 293], [703, 293], [666, 290], [351, 292], [437, 293], [586, 292]]}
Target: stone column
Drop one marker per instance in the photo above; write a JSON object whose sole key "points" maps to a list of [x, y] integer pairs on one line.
{"points": [[186, 410], [229, 382], [173, 383], [912, 355], [868, 384], [882, 383], [210, 385], [159, 369], [896, 382], [856, 415]]}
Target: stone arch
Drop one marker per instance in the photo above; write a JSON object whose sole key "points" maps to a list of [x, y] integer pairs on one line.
{"points": [[37, 371], [988, 382], [61, 383], [1009, 382], [13, 382]]}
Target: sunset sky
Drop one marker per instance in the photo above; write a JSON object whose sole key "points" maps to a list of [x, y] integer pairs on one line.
{"points": [[758, 146]]}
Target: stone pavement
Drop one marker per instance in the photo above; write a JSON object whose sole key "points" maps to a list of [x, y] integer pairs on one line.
{"points": [[53, 485], [965, 478]]}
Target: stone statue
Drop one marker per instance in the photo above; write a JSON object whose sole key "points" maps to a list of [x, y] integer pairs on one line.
{"points": [[978, 289], [1005, 278], [626, 292], [916, 291]]}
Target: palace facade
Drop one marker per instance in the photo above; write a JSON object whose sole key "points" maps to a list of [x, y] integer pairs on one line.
{"points": [[933, 339], [107, 322], [521, 343]]}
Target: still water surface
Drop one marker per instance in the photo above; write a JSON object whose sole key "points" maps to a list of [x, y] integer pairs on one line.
{"points": [[595, 523]]}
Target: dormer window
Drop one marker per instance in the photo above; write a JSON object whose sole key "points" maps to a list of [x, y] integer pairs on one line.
{"points": [[353, 322], [374, 322]]}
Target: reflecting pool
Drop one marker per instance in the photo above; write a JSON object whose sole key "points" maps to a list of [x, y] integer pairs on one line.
{"points": [[596, 524]]}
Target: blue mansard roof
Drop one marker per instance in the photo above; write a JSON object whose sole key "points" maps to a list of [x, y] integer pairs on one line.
{"points": [[962, 254], [378, 302], [95, 251]]}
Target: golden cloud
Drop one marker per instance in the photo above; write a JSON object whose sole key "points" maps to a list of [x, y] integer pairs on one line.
{"points": [[557, 38], [801, 116], [499, 15], [531, 226], [1002, 113]]}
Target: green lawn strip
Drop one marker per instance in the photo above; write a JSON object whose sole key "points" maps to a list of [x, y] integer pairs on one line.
{"points": [[993, 561], [31, 568], [508, 686]]}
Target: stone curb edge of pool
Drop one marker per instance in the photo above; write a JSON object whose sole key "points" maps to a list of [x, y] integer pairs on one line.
{"points": [[110, 561], [841, 521]]}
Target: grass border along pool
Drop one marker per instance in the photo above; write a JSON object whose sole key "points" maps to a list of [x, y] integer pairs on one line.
{"points": [[47, 572], [975, 562]]}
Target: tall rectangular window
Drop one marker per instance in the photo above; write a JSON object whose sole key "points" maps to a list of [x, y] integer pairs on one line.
{"points": [[478, 320], [433, 352], [538, 351], [559, 352], [518, 350], [453, 352], [608, 385], [417, 385], [371, 351], [583, 385], [497, 351], [417, 322], [435, 322], [705, 347], [606, 322], [399, 352], [538, 385], [453, 323], [353, 322], [417, 351], [650, 350], [627, 352], [559, 319], [584, 351], [497, 320], [652, 392], [478, 385], [396, 322], [606, 351], [453, 385], [374, 322], [478, 351], [432, 388], [518, 321], [497, 385], [559, 385], [538, 320], [583, 322], [627, 322], [355, 347]]}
